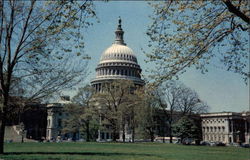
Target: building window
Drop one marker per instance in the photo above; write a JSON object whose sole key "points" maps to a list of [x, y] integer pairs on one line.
{"points": [[211, 129], [218, 129]]}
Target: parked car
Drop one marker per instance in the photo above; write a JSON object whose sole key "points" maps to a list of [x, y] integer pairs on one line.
{"points": [[212, 144], [204, 143], [188, 141], [220, 144], [245, 145]]}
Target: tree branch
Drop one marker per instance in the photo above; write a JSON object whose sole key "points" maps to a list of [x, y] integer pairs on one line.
{"points": [[237, 12]]}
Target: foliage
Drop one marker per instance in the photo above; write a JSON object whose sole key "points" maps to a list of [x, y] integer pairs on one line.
{"points": [[115, 104], [84, 95], [145, 112], [80, 115], [175, 96], [195, 33], [175, 100], [185, 128], [35, 48]]}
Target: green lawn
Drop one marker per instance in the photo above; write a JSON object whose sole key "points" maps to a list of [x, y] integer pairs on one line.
{"points": [[120, 151]]}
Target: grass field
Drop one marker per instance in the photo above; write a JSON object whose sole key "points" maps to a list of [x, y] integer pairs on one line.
{"points": [[119, 151]]}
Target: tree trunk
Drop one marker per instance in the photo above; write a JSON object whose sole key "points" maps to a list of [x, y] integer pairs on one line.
{"points": [[123, 133], [114, 135], [163, 139], [2, 130], [170, 132], [2, 127], [133, 134], [22, 138], [87, 131], [152, 136]]}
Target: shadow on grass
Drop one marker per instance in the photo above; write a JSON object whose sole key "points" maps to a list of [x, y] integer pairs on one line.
{"points": [[77, 153]]}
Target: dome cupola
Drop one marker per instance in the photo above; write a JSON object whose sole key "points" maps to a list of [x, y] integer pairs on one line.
{"points": [[118, 62]]}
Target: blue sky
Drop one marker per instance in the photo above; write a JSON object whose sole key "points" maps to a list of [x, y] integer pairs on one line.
{"points": [[221, 90]]}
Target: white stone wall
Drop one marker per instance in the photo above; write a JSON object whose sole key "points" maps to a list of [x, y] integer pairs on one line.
{"points": [[215, 129]]}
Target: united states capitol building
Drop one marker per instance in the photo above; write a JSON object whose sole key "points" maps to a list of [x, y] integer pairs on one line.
{"points": [[119, 62]]}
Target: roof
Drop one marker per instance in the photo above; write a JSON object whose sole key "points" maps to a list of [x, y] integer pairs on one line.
{"points": [[118, 53]]}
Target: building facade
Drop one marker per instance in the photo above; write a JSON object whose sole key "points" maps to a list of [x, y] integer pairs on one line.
{"points": [[118, 62], [226, 127], [55, 116]]}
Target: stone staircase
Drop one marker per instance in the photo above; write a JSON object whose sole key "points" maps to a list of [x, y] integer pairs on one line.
{"points": [[12, 134]]}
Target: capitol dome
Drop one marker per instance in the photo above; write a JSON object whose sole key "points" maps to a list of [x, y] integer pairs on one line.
{"points": [[117, 62], [118, 53]]}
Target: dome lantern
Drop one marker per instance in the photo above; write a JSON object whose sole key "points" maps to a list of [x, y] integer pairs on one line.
{"points": [[119, 33]]}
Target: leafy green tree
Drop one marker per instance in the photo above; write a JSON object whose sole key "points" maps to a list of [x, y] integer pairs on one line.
{"points": [[195, 33], [186, 128], [146, 112], [41, 45], [80, 120], [115, 105], [80, 115], [175, 100]]}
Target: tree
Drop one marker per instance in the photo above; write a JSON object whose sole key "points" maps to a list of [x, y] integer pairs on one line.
{"points": [[35, 48], [190, 103], [176, 100], [146, 111], [80, 120], [114, 104], [168, 96], [82, 116], [195, 33], [185, 128]]}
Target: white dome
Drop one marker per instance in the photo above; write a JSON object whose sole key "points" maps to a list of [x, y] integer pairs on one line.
{"points": [[117, 62], [118, 52]]}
